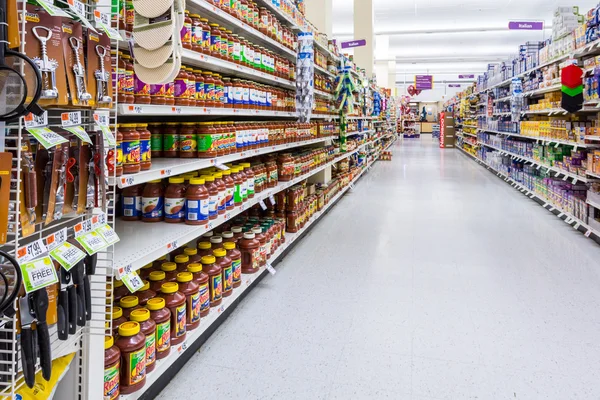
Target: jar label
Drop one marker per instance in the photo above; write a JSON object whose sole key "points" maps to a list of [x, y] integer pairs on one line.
{"points": [[119, 154], [229, 197], [216, 289], [227, 278], [204, 297], [169, 89], [196, 210], [221, 202], [246, 96], [200, 95], [157, 90], [181, 88], [237, 194], [237, 95], [141, 88], [251, 186], [255, 258], [244, 190], [209, 91], [225, 98], [129, 81], [150, 349], [145, 149], [181, 321], [207, 143], [186, 33], [195, 316], [156, 142], [288, 168], [174, 208], [131, 152], [170, 142], [236, 266], [224, 47], [220, 93], [197, 35], [137, 366], [152, 207], [163, 336], [187, 143], [212, 205], [191, 89], [206, 40], [132, 206], [215, 43], [121, 81], [111, 382], [263, 253]]}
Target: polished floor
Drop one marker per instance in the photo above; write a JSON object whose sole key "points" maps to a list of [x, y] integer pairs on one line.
{"points": [[432, 279]]}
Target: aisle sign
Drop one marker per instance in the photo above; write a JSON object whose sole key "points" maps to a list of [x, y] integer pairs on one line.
{"points": [[466, 76], [424, 82], [526, 25], [354, 43]]}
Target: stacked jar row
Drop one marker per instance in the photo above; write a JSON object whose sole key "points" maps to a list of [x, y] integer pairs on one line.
{"points": [[323, 83]]}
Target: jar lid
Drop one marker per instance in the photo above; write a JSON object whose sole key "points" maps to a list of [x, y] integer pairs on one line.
{"points": [[208, 234], [227, 235], [184, 277], [128, 125], [141, 125], [218, 175], [182, 258], [147, 266], [208, 260], [118, 283], [117, 312], [168, 266], [130, 328], [204, 19], [245, 165], [156, 304], [197, 181], [195, 15], [204, 245], [216, 239], [235, 170], [176, 180], [108, 342], [169, 287], [155, 181], [208, 178], [156, 276], [219, 253], [194, 268], [140, 315], [236, 229], [257, 230], [227, 172], [249, 235], [163, 258], [129, 302], [189, 251], [229, 245], [146, 286]]}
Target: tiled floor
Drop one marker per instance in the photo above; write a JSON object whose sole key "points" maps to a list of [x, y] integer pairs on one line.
{"points": [[433, 279]]}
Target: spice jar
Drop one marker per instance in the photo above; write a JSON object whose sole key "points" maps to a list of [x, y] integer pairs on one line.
{"points": [[132, 344], [190, 289], [197, 203], [148, 329], [145, 294], [156, 279], [175, 301], [171, 140], [112, 365], [152, 201], [215, 280], [201, 278], [162, 317]]}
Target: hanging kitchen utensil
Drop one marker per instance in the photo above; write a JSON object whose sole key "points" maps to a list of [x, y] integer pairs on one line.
{"points": [[10, 283], [46, 66], [102, 79], [33, 308], [79, 71]]}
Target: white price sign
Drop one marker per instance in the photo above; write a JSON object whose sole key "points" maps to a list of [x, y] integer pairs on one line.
{"points": [[38, 274], [31, 251], [47, 137], [108, 234], [133, 282], [92, 242], [72, 118], [126, 270], [34, 121], [83, 227], [263, 205], [222, 167], [98, 220], [272, 200], [67, 255], [271, 270], [56, 239], [80, 133]]}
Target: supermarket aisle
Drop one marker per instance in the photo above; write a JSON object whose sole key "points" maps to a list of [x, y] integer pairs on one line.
{"points": [[432, 280]]}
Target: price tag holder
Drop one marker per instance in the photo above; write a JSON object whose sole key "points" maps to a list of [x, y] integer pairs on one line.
{"points": [[52, 9], [79, 9], [83, 227], [272, 200], [47, 137], [80, 133], [38, 274], [108, 135], [56, 239], [67, 255], [262, 205], [222, 167], [34, 121], [133, 282], [32, 251], [577, 225], [588, 233], [72, 118], [271, 270], [98, 221], [103, 21], [126, 270], [92, 242], [108, 234]]}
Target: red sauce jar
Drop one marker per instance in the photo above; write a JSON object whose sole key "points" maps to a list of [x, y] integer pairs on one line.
{"points": [[156, 140], [156, 279], [148, 329], [191, 291], [170, 270], [192, 253], [153, 201], [120, 291], [117, 319], [221, 208], [131, 148], [112, 365], [236, 262], [229, 189], [145, 147], [250, 249], [171, 140], [175, 301], [132, 345], [175, 200], [145, 294], [215, 40], [225, 264], [197, 202], [262, 238], [162, 317], [213, 192], [186, 31], [209, 89], [201, 278], [128, 304], [182, 97], [215, 280]]}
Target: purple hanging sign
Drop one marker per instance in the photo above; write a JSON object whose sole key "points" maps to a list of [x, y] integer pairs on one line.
{"points": [[354, 43], [466, 77], [454, 85], [526, 25], [424, 82]]}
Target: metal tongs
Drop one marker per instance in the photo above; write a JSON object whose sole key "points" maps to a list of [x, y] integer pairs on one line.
{"points": [[33, 308], [46, 66], [102, 96], [79, 72]]}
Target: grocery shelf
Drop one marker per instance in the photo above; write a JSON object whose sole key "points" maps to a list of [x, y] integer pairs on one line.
{"points": [[593, 174], [325, 50], [181, 353], [593, 204], [558, 171], [470, 134], [466, 152], [324, 71], [281, 16], [215, 14], [132, 110], [549, 111], [359, 133], [548, 89], [501, 99], [469, 126], [365, 118], [324, 94], [166, 167], [546, 140], [502, 114], [142, 243]]}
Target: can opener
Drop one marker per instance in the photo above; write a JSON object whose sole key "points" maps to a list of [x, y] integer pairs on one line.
{"points": [[46, 66], [102, 96], [79, 72]]}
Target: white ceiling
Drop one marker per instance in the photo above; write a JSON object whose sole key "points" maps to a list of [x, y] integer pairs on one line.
{"points": [[450, 37]]}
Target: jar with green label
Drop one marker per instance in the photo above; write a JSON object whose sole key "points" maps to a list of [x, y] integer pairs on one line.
{"points": [[132, 344], [156, 139], [148, 329], [171, 140], [112, 364], [188, 142], [162, 317]]}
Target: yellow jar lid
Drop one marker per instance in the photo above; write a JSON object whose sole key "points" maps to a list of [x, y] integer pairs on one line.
{"points": [[108, 342], [155, 304], [130, 328], [229, 245], [118, 283], [140, 315], [204, 245], [208, 260], [156, 276], [156, 181], [218, 175], [219, 253], [209, 178], [146, 286], [226, 172], [147, 266], [189, 251], [129, 302], [141, 125], [235, 170], [195, 268], [169, 287], [182, 258], [184, 277], [176, 180], [245, 165], [197, 181], [128, 125], [117, 312], [168, 266], [162, 258]]}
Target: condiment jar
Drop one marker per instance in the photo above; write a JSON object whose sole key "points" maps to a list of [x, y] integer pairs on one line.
{"points": [[145, 294], [201, 278], [131, 148], [162, 317], [182, 262], [238, 233], [132, 344], [170, 270], [229, 189], [171, 140], [148, 329], [236, 262], [262, 238], [152, 201], [128, 304], [221, 207], [215, 280], [225, 264], [216, 241], [200, 94], [213, 192], [182, 97], [188, 140], [129, 81], [112, 364], [156, 279], [156, 140], [146, 270], [197, 200], [186, 31], [250, 249], [196, 33], [192, 254], [175, 201], [204, 248], [119, 153], [175, 301], [145, 152], [209, 89], [190, 289], [120, 291], [249, 179], [117, 319]]}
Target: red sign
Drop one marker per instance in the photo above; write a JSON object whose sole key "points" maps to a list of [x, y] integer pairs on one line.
{"points": [[442, 128]]}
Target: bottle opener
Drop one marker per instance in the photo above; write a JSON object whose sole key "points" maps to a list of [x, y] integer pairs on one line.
{"points": [[102, 96], [46, 66], [79, 72]]}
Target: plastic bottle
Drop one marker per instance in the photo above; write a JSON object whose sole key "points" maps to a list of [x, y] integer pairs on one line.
{"points": [[182, 262], [190, 290], [215, 280], [213, 192], [175, 301], [132, 344], [153, 201], [112, 364], [170, 270], [225, 264], [250, 249], [197, 203], [128, 304], [162, 317], [201, 278], [221, 203], [148, 329], [236, 262], [156, 279], [145, 294]]}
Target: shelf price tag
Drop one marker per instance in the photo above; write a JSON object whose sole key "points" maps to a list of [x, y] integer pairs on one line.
{"points": [[38, 274], [52, 9], [31, 251], [34, 121], [83, 227], [272, 200], [588, 233], [67, 255], [80, 133], [79, 9], [72, 118], [108, 234], [133, 282], [577, 225], [552, 209], [566, 177], [47, 137], [98, 220], [271, 270], [262, 205], [56, 239], [103, 20], [92, 242], [222, 167]]}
